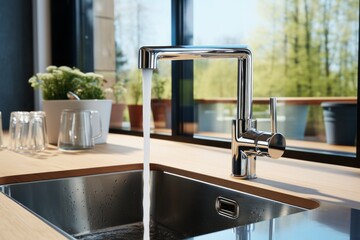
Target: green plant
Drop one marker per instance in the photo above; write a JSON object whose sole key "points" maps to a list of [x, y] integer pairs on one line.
{"points": [[58, 81], [158, 86], [134, 86], [136, 90], [118, 90]]}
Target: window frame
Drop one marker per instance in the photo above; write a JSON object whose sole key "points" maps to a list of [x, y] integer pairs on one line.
{"points": [[182, 35]]}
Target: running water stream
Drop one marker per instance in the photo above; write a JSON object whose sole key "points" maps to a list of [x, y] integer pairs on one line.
{"points": [[147, 79]]}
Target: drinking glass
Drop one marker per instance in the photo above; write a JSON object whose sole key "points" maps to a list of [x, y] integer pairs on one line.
{"points": [[37, 136], [18, 131], [1, 134], [77, 129]]}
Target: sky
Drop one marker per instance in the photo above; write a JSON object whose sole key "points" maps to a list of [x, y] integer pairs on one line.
{"points": [[218, 23]]}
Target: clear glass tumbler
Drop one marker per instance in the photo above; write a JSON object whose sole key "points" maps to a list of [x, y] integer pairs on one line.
{"points": [[18, 131], [37, 136], [1, 134]]}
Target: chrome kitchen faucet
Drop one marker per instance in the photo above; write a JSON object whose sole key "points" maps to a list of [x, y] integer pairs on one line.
{"points": [[247, 143]]}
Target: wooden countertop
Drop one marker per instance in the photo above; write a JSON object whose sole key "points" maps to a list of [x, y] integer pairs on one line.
{"points": [[325, 183]]}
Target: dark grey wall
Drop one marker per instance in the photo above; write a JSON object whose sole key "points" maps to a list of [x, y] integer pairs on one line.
{"points": [[16, 57]]}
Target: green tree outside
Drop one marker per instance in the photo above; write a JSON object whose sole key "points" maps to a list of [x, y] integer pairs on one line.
{"points": [[310, 51]]}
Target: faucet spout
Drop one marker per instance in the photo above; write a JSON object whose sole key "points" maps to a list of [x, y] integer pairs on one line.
{"points": [[247, 142], [148, 57]]}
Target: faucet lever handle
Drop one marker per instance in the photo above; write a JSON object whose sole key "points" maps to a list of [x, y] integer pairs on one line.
{"points": [[273, 114]]}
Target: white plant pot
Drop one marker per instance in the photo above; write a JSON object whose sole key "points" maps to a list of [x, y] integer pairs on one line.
{"points": [[54, 108]]}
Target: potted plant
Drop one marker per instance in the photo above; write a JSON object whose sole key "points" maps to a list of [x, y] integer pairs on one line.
{"points": [[135, 108], [161, 107], [118, 91], [57, 82]]}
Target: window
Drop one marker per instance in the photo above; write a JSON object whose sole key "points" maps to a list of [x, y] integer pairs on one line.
{"points": [[136, 25], [305, 53], [120, 29]]}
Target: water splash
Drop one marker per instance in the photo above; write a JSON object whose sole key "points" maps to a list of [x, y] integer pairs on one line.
{"points": [[147, 78]]}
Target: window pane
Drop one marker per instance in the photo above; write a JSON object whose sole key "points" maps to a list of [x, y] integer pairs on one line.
{"points": [[304, 52], [136, 25]]}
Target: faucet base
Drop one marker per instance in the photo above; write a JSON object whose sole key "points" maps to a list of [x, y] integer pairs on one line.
{"points": [[248, 177], [243, 166]]}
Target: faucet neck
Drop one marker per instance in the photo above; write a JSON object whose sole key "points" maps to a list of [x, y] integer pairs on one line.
{"points": [[245, 92], [148, 57]]}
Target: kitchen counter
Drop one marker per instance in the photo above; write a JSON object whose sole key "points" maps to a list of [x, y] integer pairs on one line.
{"points": [[335, 187]]}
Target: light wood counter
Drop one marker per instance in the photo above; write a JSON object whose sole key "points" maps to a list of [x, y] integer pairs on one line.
{"points": [[326, 183]]}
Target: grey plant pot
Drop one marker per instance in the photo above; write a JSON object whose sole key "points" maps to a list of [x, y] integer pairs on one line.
{"points": [[340, 123]]}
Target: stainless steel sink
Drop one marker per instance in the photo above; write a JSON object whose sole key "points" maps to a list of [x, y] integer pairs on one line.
{"points": [[110, 206]]}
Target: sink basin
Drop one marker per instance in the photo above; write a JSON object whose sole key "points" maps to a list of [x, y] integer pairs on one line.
{"points": [[110, 205]]}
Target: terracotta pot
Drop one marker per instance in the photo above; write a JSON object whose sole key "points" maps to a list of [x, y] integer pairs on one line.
{"points": [[117, 114], [136, 118], [54, 108], [161, 110]]}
